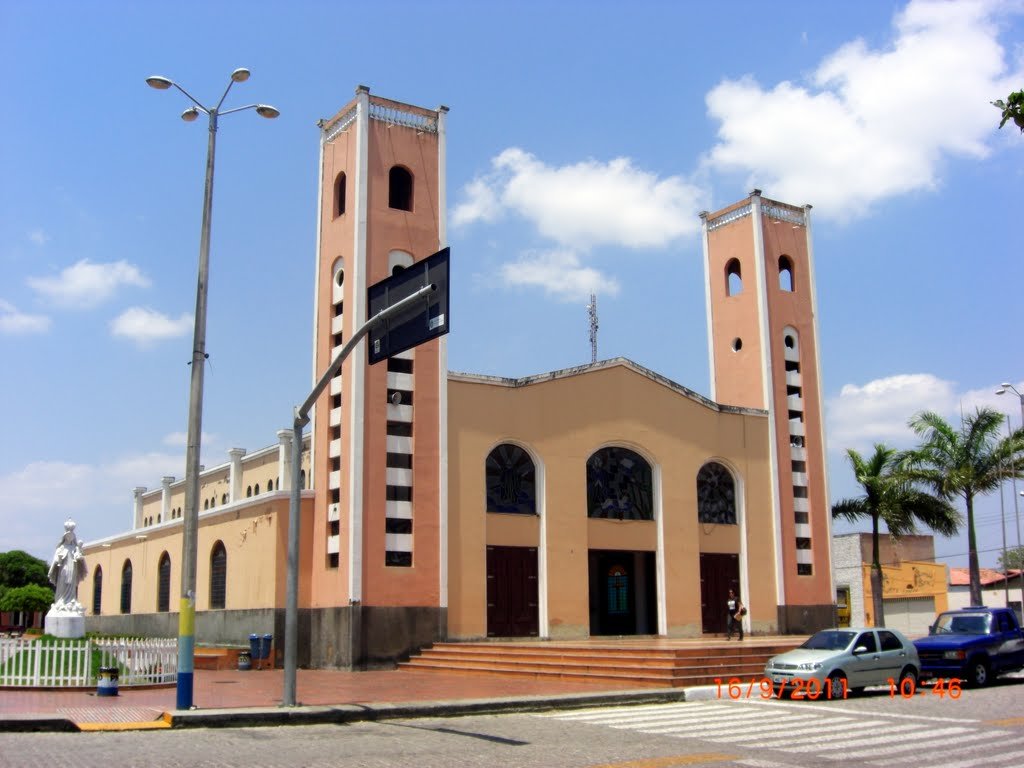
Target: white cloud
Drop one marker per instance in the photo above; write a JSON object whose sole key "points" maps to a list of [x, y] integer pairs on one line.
{"points": [[145, 326], [871, 124], [180, 439], [560, 274], [878, 411], [84, 284], [584, 204], [98, 497], [39, 237], [13, 322]]}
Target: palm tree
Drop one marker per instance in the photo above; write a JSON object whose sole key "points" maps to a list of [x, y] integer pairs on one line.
{"points": [[890, 497], [965, 462]]}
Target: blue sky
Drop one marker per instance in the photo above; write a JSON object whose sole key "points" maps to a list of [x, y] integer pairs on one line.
{"points": [[583, 139]]}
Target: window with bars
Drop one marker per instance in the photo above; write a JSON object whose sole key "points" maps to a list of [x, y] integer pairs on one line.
{"points": [[126, 587], [218, 575], [97, 591], [163, 589]]}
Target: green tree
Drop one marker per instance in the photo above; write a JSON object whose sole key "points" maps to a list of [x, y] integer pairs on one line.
{"points": [[890, 497], [18, 569], [1013, 109], [966, 462], [30, 597], [1014, 559]]}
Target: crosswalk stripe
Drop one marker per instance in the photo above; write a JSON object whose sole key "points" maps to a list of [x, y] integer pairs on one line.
{"points": [[1005, 758], [893, 733], [808, 735], [962, 734], [579, 714], [761, 723], [681, 717], [967, 749], [675, 722], [730, 734]]}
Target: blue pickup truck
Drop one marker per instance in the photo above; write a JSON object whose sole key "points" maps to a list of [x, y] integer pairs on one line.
{"points": [[974, 644]]}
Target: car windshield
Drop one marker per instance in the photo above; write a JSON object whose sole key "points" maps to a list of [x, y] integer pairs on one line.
{"points": [[829, 640], [962, 623]]}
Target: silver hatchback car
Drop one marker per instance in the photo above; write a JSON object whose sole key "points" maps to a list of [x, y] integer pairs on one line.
{"points": [[833, 663]]}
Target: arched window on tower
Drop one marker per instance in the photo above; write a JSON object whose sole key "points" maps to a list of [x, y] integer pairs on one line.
{"points": [[733, 279], [400, 189], [511, 481], [163, 586], [619, 485], [126, 587], [97, 591], [716, 495], [786, 274], [218, 575], [339, 194]]}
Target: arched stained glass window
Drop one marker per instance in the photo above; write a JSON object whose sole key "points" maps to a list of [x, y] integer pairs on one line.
{"points": [[163, 587], [716, 495], [218, 575], [619, 485], [126, 587], [97, 591], [511, 481]]}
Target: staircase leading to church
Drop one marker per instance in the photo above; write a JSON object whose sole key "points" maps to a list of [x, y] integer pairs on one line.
{"points": [[659, 663]]}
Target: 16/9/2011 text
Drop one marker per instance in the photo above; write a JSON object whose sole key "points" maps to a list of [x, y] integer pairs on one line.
{"points": [[766, 688]]}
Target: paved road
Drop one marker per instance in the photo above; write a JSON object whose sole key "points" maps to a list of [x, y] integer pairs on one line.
{"points": [[982, 728]]}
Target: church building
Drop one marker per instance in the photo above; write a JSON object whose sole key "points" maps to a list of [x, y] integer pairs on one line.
{"points": [[599, 500]]}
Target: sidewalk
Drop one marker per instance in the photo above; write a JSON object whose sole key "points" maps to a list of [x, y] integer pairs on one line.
{"points": [[253, 697]]}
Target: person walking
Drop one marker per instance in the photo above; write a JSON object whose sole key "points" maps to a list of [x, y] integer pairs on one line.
{"points": [[735, 611]]}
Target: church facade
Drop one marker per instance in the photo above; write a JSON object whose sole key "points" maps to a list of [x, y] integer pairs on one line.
{"points": [[598, 500]]}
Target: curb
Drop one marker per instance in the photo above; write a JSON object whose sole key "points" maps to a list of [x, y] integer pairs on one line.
{"points": [[247, 717], [351, 713]]}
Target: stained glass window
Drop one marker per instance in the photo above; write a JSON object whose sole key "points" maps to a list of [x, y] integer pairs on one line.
{"points": [[511, 481], [716, 495], [618, 591], [619, 485], [163, 589], [218, 575]]}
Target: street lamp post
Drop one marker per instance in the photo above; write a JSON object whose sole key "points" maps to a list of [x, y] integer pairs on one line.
{"points": [[187, 610], [1013, 476]]}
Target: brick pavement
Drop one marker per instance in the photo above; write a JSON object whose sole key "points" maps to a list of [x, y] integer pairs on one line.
{"points": [[234, 689]]}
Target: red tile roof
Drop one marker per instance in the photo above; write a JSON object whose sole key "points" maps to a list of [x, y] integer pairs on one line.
{"points": [[960, 577]]}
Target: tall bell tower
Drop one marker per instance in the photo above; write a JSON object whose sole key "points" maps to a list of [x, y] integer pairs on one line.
{"points": [[378, 567], [763, 348]]}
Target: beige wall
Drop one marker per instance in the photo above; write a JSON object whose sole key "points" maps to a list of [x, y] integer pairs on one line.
{"points": [[561, 421], [255, 537]]}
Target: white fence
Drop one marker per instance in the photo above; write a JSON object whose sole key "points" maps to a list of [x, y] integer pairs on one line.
{"points": [[67, 663]]}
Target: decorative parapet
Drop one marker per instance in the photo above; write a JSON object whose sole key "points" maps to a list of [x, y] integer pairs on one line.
{"points": [[340, 125], [385, 111], [393, 113], [783, 212], [729, 217]]}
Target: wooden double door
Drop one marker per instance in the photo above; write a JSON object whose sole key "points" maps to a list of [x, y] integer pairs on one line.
{"points": [[512, 592], [718, 574]]}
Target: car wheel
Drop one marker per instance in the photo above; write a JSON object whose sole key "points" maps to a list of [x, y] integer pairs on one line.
{"points": [[837, 688], [909, 673], [978, 674]]}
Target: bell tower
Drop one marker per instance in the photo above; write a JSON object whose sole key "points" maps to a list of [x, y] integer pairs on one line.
{"points": [[763, 348], [378, 567]]}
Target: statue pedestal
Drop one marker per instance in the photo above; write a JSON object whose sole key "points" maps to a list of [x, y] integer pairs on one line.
{"points": [[64, 625]]}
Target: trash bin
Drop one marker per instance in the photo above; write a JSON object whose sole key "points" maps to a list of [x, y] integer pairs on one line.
{"points": [[106, 683], [254, 647], [244, 660], [265, 643]]}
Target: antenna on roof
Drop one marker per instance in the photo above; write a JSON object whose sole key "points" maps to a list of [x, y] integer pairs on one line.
{"points": [[592, 314]]}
